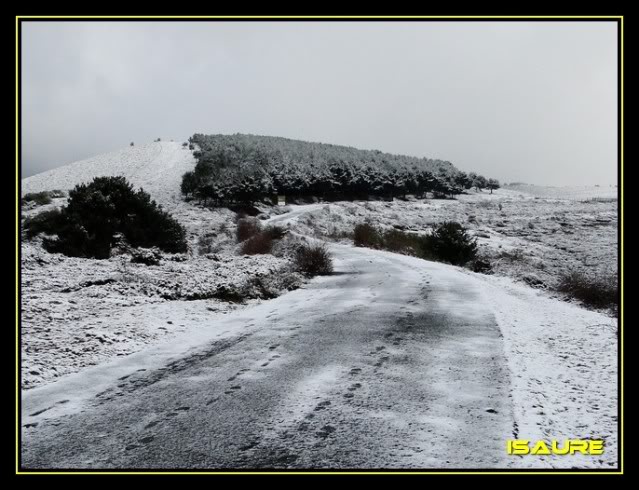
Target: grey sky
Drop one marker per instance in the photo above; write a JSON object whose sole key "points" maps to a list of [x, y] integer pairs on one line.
{"points": [[532, 102]]}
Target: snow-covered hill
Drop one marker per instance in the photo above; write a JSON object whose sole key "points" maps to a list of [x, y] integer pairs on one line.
{"points": [[156, 167]]}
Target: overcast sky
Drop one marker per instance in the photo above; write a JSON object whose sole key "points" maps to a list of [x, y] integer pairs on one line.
{"points": [[531, 102]]}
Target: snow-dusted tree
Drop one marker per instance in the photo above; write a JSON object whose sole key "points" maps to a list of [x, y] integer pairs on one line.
{"points": [[492, 184], [189, 183], [108, 207], [480, 182]]}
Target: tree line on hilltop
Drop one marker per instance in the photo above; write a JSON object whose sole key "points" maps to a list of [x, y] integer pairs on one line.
{"points": [[246, 168]]}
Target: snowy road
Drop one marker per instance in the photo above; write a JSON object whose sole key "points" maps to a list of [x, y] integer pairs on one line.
{"points": [[392, 362]]}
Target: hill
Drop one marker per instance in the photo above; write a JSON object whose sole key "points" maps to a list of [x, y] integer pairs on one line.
{"points": [[225, 169], [241, 168], [156, 167]]}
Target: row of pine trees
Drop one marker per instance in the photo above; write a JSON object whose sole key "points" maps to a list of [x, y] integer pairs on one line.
{"points": [[246, 168]]}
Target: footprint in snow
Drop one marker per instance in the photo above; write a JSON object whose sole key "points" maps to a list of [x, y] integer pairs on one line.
{"points": [[322, 406], [325, 431]]}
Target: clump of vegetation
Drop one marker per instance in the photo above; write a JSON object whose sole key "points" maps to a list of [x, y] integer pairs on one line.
{"points": [[42, 198], [336, 234], [401, 242], [480, 265], [255, 240], [246, 228], [146, 256], [239, 168], [46, 222], [39, 198], [275, 232], [100, 212], [261, 243], [597, 292], [366, 235], [449, 242], [313, 260]]}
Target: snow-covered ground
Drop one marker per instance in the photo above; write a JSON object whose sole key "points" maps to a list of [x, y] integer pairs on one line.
{"points": [[359, 369], [563, 364], [561, 358], [525, 237], [80, 312], [575, 193]]}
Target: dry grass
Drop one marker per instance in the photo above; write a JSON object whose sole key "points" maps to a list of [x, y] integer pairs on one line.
{"points": [[246, 228], [261, 243], [596, 292]]}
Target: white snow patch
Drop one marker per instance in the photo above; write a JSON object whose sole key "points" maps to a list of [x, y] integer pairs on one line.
{"points": [[563, 363]]}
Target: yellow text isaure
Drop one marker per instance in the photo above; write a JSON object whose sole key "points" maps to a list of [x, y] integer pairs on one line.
{"points": [[567, 447]]}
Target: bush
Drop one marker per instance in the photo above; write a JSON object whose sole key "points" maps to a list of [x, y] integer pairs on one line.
{"points": [[482, 266], [313, 260], [276, 232], [365, 235], [189, 184], [42, 198], [108, 207], [261, 243], [47, 222], [146, 256], [400, 242], [335, 234], [246, 228], [450, 243], [597, 292], [39, 198]]}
